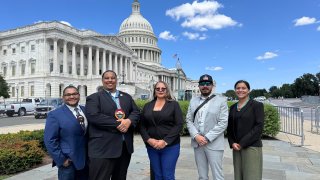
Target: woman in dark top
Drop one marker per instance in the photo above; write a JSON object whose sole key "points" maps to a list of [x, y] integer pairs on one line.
{"points": [[245, 125], [160, 125]]}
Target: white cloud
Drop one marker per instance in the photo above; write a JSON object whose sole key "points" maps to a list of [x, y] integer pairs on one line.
{"points": [[66, 23], [201, 16], [208, 21], [318, 29], [304, 21], [267, 55], [190, 10], [212, 68], [194, 36], [271, 69], [167, 36]]}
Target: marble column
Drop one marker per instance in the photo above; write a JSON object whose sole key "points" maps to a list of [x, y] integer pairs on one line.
{"points": [[104, 63], [55, 57], [65, 60], [110, 61], [121, 66], [126, 68], [97, 62], [116, 64], [81, 61], [90, 61], [73, 61]]}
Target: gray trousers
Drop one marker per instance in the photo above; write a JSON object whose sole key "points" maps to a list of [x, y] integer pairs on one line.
{"points": [[205, 157], [247, 164]]}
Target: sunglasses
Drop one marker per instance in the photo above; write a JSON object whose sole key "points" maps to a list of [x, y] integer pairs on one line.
{"points": [[205, 83], [69, 95], [161, 89]]}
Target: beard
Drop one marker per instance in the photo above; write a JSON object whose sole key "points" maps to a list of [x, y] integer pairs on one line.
{"points": [[205, 92]]}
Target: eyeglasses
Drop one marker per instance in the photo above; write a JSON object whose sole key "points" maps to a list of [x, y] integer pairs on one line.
{"points": [[69, 95], [205, 83], [161, 89]]}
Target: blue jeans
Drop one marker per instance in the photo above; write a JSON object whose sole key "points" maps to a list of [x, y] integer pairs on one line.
{"points": [[163, 161]]}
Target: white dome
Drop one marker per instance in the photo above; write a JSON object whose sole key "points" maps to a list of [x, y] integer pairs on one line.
{"points": [[136, 21]]}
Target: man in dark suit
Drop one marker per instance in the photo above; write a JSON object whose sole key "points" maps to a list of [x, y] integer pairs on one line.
{"points": [[112, 116], [64, 137]]}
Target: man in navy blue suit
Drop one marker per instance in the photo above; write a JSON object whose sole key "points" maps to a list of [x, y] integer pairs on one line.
{"points": [[65, 137]]}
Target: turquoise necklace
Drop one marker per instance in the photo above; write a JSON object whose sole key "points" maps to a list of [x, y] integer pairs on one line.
{"points": [[239, 108]]}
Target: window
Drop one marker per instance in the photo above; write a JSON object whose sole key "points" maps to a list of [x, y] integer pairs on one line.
{"points": [[4, 52], [70, 52], [13, 50], [78, 54], [13, 70], [22, 91], [61, 68], [51, 47], [13, 91], [32, 90], [23, 49], [70, 69], [33, 47], [61, 50], [33, 67], [4, 71], [23, 69]]}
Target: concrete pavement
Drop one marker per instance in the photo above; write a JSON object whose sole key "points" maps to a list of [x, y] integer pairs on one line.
{"points": [[282, 161]]}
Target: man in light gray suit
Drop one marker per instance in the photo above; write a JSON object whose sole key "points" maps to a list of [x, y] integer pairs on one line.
{"points": [[207, 119]]}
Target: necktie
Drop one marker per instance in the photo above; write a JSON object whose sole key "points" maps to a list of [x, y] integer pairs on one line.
{"points": [[80, 118]]}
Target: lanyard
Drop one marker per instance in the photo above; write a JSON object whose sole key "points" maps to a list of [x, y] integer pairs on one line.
{"points": [[116, 98]]}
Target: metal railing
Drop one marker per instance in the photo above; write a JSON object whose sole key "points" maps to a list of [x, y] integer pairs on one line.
{"points": [[315, 120], [291, 119]]}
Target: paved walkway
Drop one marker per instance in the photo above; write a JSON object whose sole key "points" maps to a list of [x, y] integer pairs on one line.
{"points": [[282, 161]]}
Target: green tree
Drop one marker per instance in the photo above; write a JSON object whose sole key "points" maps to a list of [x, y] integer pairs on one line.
{"points": [[286, 91], [306, 85], [230, 94], [258, 92], [4, 89]]}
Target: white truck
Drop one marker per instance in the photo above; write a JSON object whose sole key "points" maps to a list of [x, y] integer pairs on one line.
{"points": [[23, 107]]}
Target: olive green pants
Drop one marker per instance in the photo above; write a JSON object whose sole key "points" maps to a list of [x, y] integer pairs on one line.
{"points": [[247, 164]]}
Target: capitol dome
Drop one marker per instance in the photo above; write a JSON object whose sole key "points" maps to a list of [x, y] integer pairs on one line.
{"points": [[135, 22], [137, 33]]}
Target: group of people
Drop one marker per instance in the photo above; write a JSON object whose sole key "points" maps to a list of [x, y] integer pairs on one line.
{"points": [[95, 142]]}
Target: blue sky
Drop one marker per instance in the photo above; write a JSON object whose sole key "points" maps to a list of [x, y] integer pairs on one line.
{"points": [[266, 42]]}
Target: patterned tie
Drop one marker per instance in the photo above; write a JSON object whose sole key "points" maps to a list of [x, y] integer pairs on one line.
{"points": [[80, 118]]}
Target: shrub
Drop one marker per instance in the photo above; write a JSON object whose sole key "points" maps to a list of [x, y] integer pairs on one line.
{"points": [[271, 121], [20, 151], [33, 135], [184, 105], [19, 155]]}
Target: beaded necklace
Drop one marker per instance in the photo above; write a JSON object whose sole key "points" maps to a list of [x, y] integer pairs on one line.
{"points": [[239, 108]]}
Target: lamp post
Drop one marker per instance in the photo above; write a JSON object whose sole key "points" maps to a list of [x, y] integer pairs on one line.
{"points": [[178, 67], [122, 75]]}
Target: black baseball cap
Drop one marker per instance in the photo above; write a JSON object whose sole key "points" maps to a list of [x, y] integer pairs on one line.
{"points": [[205, 78]]}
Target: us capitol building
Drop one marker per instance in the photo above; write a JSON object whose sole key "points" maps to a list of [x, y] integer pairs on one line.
{"points": [[39, 60]]}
